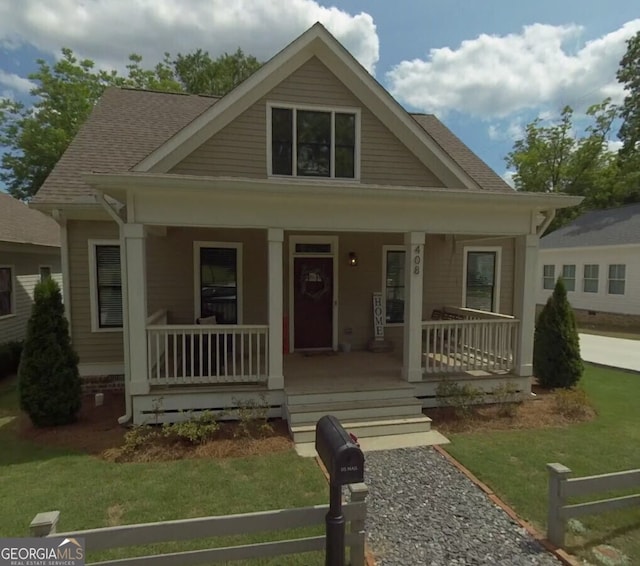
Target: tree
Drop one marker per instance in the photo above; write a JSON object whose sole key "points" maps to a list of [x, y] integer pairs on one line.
{"points": [[48, 378], [37, 135], [551, 158], [556, 346]]}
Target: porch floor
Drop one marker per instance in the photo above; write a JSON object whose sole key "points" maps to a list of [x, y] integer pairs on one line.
{"points": [[324, 372]]}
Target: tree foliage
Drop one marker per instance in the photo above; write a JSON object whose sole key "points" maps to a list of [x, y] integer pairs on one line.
{"points": [[556, 347], [48, 378], [64, 94]]}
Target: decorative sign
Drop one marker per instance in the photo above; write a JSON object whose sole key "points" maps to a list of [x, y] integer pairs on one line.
{"points": [[378, 317]]}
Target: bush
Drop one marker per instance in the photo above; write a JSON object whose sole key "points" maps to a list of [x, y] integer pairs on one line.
{"points": [[252, 418], [508, 400], [556, 349], [461, 398], [196, 429], [572, 403], [48, 379], [10, 357]]}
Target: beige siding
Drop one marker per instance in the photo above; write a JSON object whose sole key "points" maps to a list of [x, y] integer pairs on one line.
{"points": [[26, 274], [240, 149], [92, 347]]}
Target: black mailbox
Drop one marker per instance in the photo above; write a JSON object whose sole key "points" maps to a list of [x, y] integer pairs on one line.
{"points": [[339, 453]]}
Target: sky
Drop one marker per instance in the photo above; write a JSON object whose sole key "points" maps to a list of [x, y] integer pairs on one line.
{"points": [[486, 68]]}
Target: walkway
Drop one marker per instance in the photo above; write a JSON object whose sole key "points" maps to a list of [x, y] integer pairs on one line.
{"points": [[615, 352], [423, 510]]}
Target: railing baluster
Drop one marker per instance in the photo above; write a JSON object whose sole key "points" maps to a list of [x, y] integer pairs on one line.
{"points": [[166, 356], [184, 357]]}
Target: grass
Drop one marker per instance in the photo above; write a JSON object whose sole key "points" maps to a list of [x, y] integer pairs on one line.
{"points": [[90, 492], [513, 463]]}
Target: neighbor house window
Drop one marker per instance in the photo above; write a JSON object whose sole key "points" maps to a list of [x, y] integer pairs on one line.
{"points": [[590, 279], [45, 272], [617, 274], [6, 291], [219, 266], [393, 283], [569, 277], [548, 276], [481, 281], [313, 143], [105, 285]]}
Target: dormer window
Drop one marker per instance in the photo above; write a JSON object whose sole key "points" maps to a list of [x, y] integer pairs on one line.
{"points": [[310, 142]]}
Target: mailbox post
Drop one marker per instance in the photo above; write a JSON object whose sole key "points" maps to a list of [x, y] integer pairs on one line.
{"points": [[345, 463]]}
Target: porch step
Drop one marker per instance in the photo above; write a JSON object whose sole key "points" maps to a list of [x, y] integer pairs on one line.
{"points": [[354, 410], [368, 428], [308, 397]]}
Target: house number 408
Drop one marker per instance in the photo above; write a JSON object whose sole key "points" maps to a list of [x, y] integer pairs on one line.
{"points": [[417, 259]]}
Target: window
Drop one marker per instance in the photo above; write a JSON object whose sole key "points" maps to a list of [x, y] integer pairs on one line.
{"points": [[393, 283], [481, 290], [219, 281], [45, 272], [590, 279], [569, 277], [617, 273], [548, 276], [6, 291], [105, 285], [313, 143]]}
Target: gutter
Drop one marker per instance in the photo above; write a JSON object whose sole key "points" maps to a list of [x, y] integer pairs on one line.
{"points": [[128, 411]]}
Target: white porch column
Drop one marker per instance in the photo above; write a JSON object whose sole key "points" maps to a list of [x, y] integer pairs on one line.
{"points": [[275, 237], [135, 305], [524, 307], [413, 288]]}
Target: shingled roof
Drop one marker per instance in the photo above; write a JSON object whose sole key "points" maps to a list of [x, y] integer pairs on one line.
{"points": [[23, 225], [610, 227], [127, 125]]}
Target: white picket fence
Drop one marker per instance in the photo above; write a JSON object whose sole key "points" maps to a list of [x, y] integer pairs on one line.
{"points": [[44, 525]]}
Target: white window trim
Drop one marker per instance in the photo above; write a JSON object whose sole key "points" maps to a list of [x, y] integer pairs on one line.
{"points": [[50, 267], [313, 239], [385, 249], [315, 108], [14, 279], [554, 276], [608, 279], [93, 285], [197, 246], [497, 276]]}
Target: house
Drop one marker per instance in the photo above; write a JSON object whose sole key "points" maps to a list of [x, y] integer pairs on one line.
{"points": [[598, 257], [29, 251], [222, 249]]}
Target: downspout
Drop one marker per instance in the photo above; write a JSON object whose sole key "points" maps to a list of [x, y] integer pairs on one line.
{"points": [[549, 215], [126, 418]]}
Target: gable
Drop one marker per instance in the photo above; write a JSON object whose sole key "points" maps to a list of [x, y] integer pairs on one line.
{"points": [[240, 148]]}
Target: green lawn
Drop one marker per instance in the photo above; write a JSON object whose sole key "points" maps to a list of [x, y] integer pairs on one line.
{"points": [[513, 462], [90, 492]]}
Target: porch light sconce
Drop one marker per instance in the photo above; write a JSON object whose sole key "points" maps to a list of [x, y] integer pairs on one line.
{"points": [[353, 259]]}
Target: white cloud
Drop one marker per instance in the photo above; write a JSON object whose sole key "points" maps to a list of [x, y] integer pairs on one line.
{"points": [[14, 83], [494, 76], [109, 30], [614, 145], [511, 131]]}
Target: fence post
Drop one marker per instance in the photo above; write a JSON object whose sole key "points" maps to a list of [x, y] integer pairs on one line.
{"points": [[558, 474], [357, 493], [44, 524]]}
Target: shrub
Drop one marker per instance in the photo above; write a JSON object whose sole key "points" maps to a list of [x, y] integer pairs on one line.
{"points": [[10, 357], [48, 379], [572, 403], [196, 429], [461, 398], [556, 350], [138, 436], [252, 418], [507, 398]]}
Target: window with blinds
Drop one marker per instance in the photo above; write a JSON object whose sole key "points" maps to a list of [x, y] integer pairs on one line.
{"points": [[109, 286], [6, 291], [219, 284]]}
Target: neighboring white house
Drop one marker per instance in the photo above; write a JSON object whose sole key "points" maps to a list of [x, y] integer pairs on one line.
{"points": [[598, 257], [29, 251]]}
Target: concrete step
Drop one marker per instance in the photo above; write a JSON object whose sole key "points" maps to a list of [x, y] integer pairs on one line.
{"points": [[368, 428], [301, 397], [355, 410]]}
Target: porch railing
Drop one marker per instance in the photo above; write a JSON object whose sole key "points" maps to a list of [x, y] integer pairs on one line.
{"points": [[188, 354], [457, 346]]}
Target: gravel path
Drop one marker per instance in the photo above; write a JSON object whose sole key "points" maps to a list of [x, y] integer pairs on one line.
{"points": [[422, 510]]}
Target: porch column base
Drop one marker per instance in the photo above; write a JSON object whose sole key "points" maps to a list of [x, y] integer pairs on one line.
{"points": [[525, 370], [139, 388], [412, 374], [275, 382]]}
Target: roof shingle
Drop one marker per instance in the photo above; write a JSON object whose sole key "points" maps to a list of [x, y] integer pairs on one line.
{"points": [[23, 225]]}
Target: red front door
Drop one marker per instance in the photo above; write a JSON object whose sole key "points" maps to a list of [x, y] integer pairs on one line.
{"points": [[313, 302]]}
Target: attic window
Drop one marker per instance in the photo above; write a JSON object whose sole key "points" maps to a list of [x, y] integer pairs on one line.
{"points": [[310, 142]]}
